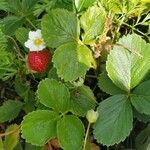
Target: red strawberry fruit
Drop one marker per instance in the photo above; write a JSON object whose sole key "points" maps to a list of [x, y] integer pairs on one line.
{"points": [[38, 61]]}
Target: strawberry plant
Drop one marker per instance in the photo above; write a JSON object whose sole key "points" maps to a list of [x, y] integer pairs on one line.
{"points": [[74, 75]]}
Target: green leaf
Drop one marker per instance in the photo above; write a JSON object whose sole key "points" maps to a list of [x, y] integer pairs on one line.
{"points": [[72, 61], [8, 65], [65, 4], [60, 26], [115, 120], [82, 100], [93, 24], [39, 126], [141, 117], [21, 87], [23, 90], [4, 5], [9, 110], [82, 4], [18, 146], [142, 141], [11, 24], [3, 41], [141, 98], [70, 132], [54, 94], [15, 6], [128, 62], [12, 139], [28, 6], [22, 35], [106, 85], [47, 5], [52, 74]]}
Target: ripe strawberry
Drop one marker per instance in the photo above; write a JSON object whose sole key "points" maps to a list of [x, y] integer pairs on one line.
{"points": [[38, 60]]}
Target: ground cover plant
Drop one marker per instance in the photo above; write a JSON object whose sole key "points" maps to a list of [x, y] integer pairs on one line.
{"points": [[74, 75]]}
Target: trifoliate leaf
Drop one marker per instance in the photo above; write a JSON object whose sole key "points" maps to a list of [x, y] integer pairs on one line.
{"points": [[72, 61], [141, 98], [82, 100], [54, 94], [9, 110], [70, 132], [12, 139], [60, 26], [39, 126], [115, 120], [93, 24], [128, 62], [106, 85]]}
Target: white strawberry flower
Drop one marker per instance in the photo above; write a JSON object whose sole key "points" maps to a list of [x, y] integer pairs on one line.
{"points": [[35, 41]]}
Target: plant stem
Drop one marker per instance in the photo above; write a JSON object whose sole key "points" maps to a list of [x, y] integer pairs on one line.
{"points": [[86, 136], [31, 23], [10, 132], [136, 30], [17, 47]]}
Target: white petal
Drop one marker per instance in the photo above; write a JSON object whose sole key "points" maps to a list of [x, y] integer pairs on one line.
{"points": [[32, 35], [34, 48], [41, 47], [28, 43], [38, 34]]}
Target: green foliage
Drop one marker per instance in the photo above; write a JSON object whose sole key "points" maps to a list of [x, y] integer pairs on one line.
{"points": [[93, 23], [143, 139], [21, 35], [39, 126], [81, 35], [82, 100], [7, 66], [141, 98], [47, 5], [60, 26], [70, 132], [105, 84], [80, 60], [126, 60], [11, 24], [115, 120], [142, 117], [24, 91], [54, 94], [9, 110], [11, 140], [82, 4]]}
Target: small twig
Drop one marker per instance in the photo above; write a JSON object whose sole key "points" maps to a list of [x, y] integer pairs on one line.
{"points": [[136, 30], [10, 132], [31, 23], [86, 136]]}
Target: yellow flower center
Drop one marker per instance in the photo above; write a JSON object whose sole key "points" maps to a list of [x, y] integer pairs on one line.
{"points": [[38, 41]]}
